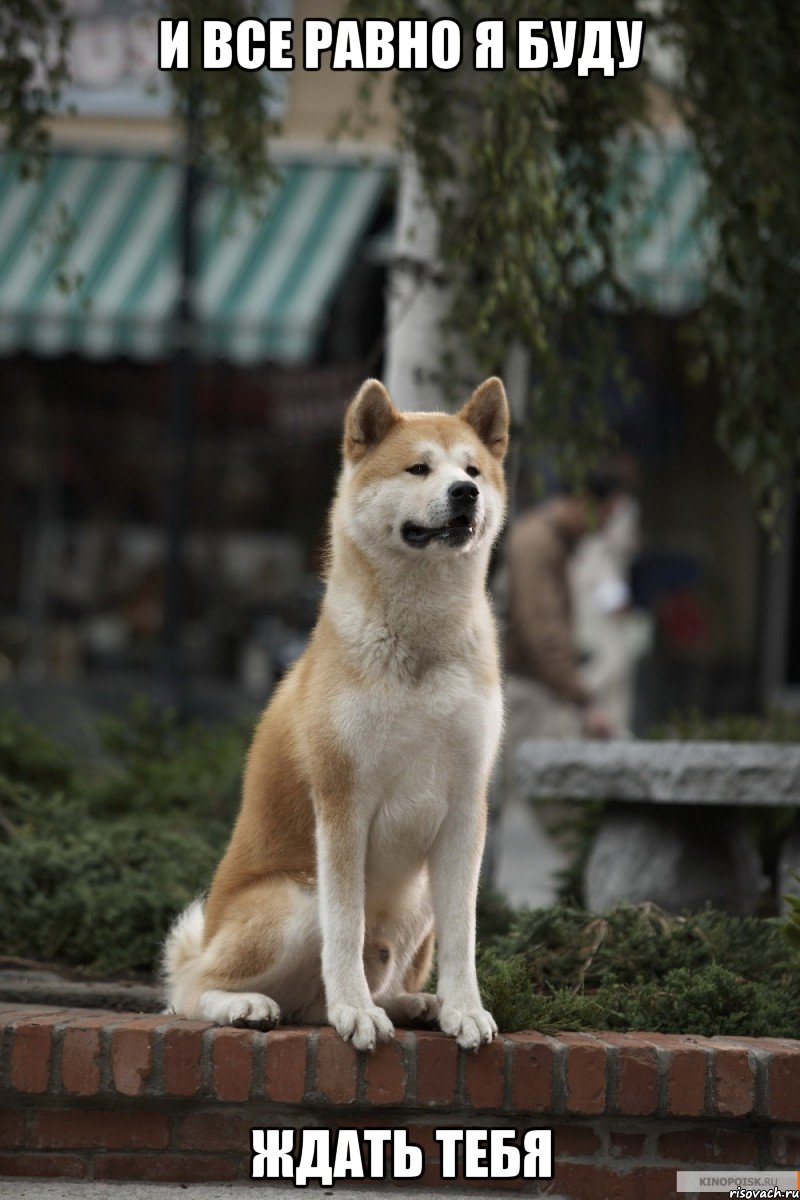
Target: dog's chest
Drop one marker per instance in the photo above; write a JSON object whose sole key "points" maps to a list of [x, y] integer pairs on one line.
{"points": [[415, 751], [392, 731]]}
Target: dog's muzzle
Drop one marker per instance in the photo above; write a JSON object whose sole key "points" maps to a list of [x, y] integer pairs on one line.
{"points": [[462, 498]]}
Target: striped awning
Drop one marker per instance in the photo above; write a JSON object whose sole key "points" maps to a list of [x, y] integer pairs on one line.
{"points": [[662, 243], [89, 257]]}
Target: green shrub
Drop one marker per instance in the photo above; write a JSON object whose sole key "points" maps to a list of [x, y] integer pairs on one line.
{"points": [[160, 765], [792, 923], [692, 725], [710, 1002], [30, 756], [567, 947], [100, 894], [637, 968], [95, 863]]}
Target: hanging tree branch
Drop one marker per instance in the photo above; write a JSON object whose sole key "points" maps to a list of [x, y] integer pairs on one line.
{"points": [[527, 198]]}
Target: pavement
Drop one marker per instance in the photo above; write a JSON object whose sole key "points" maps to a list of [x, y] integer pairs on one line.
{"points": [[58, 1189], [23, 982], [527, 859]]}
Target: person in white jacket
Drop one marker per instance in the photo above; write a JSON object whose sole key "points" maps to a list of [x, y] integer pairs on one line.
{"points": [[611, 635]]}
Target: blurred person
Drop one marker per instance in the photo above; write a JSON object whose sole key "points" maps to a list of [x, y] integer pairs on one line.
{"points": [[611, 634], [547, 695]]}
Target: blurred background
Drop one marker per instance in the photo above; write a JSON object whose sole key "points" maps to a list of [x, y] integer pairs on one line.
{"points": [[175, 359]]}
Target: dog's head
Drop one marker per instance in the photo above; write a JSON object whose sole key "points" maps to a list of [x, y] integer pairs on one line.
{"points": [[424, 484]]}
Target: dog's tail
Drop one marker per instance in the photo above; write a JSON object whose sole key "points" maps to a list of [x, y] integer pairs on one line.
{"points": [[180, 959]]}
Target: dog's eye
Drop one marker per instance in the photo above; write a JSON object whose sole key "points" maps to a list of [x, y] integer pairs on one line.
{"points": [[419, 469], [472, 471]]}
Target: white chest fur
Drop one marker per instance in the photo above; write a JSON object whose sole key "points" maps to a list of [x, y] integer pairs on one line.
{"points": [[417, 750]]}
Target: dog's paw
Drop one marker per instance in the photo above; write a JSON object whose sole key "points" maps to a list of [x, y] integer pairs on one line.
{"points": [[364, 1027], [250, 1009], [469, 1026], [413, 1006]]}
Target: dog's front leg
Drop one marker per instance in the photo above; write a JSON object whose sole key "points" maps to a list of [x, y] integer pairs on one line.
{"points": [[454, 866], [341, 857]]}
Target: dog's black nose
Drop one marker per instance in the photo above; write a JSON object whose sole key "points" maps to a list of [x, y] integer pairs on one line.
{"points": [[462, 494]]}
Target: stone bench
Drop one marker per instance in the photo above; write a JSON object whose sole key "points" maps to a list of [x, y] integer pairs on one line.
{"points": [[672, 832]]}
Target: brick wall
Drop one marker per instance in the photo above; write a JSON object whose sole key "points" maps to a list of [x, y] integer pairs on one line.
{"points": [[106, 1095]]}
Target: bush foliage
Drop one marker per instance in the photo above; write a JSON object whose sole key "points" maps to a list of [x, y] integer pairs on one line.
{"points": [[691, 725], [96, 859], [637, 968]]}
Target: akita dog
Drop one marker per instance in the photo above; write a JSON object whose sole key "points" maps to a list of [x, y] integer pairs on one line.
{"points": [[363, 814]]}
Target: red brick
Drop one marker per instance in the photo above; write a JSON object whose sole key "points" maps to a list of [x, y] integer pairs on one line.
{"points": [[232, 1063], [10, 1013], [532, 1059], [575, 1141], [42, 1166], [285, 1080], [31, 1053], [751, 1043], [78, 1129], [91, 1019], [637, 1074], [182, 1049], [585, 1181], [385, 1073], [687, 1071], [421, 1134], [12, 1128], [734, 1083], [431, 1177], [626, 1145], [215, 1132], [770, 1044], [502, 1185], [131, 1059], [80, 1061], [437, 1063], [79, 1015], [658, 1183], [585, 1074], [337, 1068], [424, 1137], [784, 1085], [675, 1041], [484, 1081], [166, 1168], [785, 1147], [708, 1147]]}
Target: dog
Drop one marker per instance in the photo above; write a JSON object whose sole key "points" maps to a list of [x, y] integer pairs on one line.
{"points": [[363, 812]]}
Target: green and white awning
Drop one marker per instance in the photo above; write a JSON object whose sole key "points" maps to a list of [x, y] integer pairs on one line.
{"points": [[88, 257], [88, 252], [662, 244]]}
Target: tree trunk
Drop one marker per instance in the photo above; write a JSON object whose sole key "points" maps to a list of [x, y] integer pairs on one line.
{"points": [[417, 301]]}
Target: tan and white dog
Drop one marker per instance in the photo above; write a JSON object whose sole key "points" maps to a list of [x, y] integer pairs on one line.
{"points": [[364, 801]]}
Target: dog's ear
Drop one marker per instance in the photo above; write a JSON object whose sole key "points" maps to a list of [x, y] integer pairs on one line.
{"points": [[487, 412], [369, 418]]}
